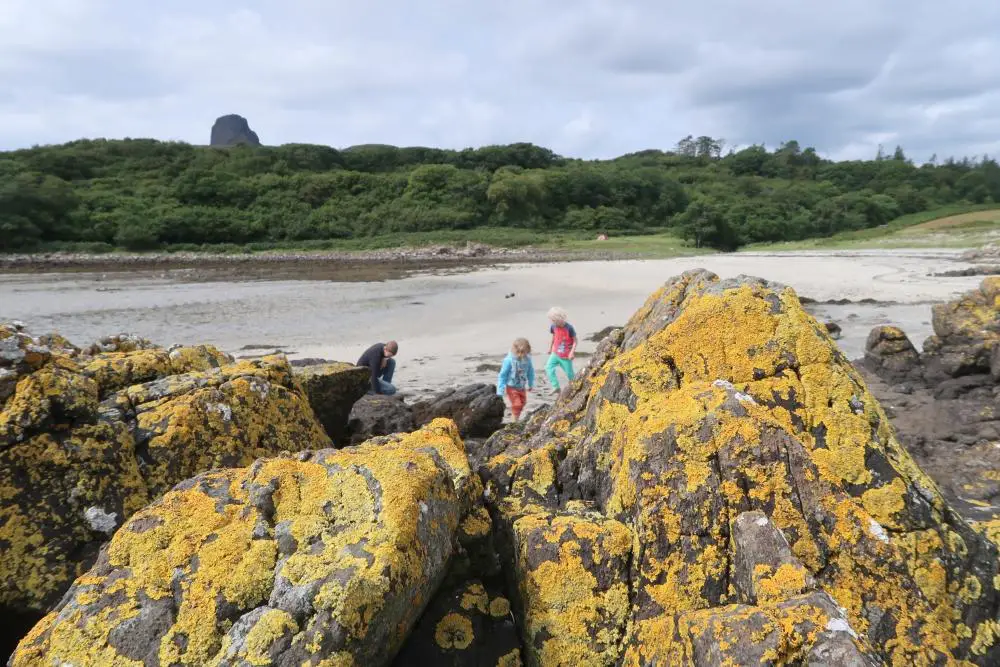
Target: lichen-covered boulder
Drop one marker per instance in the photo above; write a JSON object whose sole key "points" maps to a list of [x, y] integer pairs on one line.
{"points": [[123, 342], [20, 354], [378, 414], [966, 331], [333, 388], [230, 417], [74, 467], [890, 355], [618, 513], [324, 558], [116, 370], [476, 409]]}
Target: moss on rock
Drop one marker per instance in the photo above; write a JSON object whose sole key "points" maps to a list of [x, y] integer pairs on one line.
{"points": [[325, 558]]}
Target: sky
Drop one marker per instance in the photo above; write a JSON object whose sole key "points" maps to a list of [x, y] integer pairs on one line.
{"points": [[586, 78]]}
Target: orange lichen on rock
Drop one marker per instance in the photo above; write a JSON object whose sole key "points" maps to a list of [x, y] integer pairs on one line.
{"points": [[82, 448], [291, 561], [725, 397]]}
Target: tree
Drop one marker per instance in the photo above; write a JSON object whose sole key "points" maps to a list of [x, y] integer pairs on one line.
{"points": [[707, 224]]}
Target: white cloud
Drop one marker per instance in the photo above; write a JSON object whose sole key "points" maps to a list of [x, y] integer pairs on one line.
{"points": [[594, 78]]}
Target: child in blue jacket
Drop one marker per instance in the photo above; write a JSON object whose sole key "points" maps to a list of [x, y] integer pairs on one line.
{"points": [[517, 376]]}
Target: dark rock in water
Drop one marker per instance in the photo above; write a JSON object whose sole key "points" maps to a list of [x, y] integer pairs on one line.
{"points": [[377, 414], [833, 329], [890, 355], [972, 271], [233, 130], [476, 409], [333, 389]]}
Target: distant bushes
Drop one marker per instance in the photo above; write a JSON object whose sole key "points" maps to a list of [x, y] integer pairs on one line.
{"points": [[140, 194]]}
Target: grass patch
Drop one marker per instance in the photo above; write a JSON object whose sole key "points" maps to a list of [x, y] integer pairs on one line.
{"points": [[959, 226]]}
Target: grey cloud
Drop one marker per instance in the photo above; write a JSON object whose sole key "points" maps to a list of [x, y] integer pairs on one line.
{"points": [[593, 78]]}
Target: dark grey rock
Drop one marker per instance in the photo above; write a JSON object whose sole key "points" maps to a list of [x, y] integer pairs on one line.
{"points": [[232, 130], [475, 408], [377, 414]]}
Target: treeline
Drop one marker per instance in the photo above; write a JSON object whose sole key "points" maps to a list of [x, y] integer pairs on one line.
{"points": [[144, 194]]}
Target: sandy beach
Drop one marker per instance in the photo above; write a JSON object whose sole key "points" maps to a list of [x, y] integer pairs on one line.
{"points": [[455, 326]]}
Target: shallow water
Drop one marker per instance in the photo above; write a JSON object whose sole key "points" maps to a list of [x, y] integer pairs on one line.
{"points": [[450, 324]]}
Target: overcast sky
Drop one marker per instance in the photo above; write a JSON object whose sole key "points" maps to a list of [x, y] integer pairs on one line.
{"points": [[587, 78]]}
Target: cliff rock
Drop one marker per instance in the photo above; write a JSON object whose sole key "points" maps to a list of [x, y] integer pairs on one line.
{"points": [[621, 515], [232, 130], [326, 558]]}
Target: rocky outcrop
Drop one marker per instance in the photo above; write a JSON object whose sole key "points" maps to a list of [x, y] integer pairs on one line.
{"points": [[83, 446], [966, 331], [952, 439], [621, 514], [890, 355], [963, 353], [717, 487], [325, 558], [943, 402], [333, 388], [233, 130], [377, 414], [476, 409]]}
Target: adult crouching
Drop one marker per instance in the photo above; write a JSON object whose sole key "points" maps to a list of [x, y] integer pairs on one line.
{"points": [[379, 360]]}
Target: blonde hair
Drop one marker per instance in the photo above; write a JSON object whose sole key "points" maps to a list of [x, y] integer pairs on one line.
{"points": [[521, 347], [557, 314]]}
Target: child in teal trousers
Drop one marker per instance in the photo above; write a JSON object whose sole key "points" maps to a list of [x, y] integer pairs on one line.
{"points": [[562, 348]]}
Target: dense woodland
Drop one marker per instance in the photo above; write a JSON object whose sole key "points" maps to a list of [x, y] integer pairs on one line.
{"points": [[144, 194]]}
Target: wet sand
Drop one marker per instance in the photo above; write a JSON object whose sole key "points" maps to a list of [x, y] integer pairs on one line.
{"points": [[454, 324]]}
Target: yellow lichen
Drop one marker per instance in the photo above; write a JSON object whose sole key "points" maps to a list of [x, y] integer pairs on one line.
{"points": [[512, 659], [475, 597], [581, 619], [207, 537], [477, 523], [499, 607], [781, 584], [454, 631]]}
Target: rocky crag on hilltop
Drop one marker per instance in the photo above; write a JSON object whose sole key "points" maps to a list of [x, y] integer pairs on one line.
{"points": [[717, 487], [233, 130]]}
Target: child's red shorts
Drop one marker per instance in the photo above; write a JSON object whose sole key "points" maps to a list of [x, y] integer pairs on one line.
{"points": [[518, 397]]}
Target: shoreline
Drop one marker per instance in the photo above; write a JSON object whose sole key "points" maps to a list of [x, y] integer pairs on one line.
{"points": [[407, 258]]}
